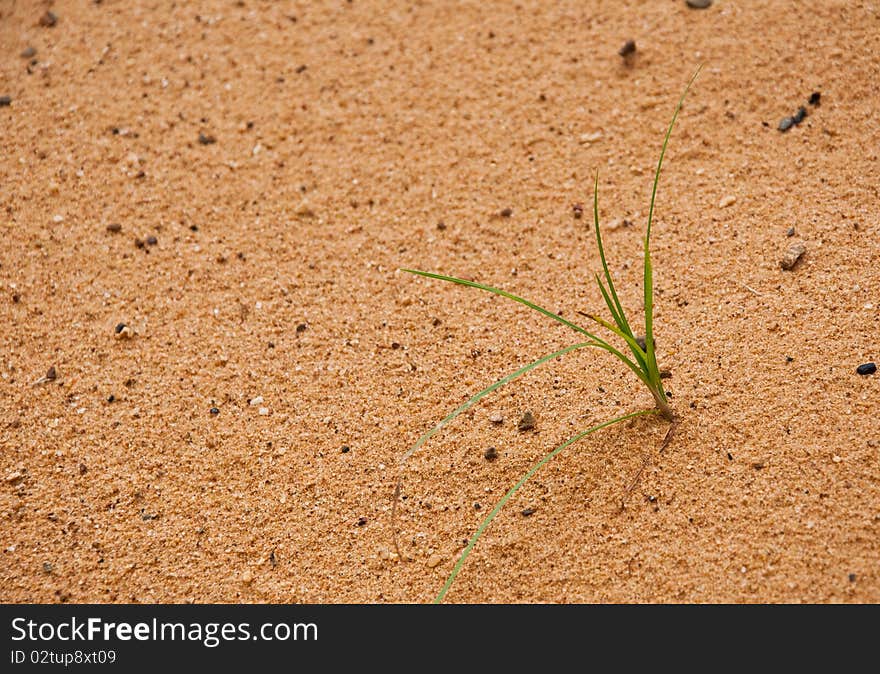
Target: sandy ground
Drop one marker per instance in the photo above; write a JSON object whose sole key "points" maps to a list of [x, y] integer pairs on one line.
{"points": [[287, 158]]}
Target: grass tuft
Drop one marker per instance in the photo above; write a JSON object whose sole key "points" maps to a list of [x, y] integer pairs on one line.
{"points": [[642, 360]]}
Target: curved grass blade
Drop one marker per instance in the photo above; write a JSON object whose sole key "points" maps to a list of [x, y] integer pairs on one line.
{"points": [[637, 352], [648, 282], [597, 341], [618, 314], [504, 499], [473, 400], [470, 402], [510, 296]]}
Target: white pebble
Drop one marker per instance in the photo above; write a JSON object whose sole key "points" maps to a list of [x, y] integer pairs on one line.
{"points": [[729, 200], [264, 411]]}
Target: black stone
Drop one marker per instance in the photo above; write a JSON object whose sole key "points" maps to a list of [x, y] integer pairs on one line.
{"points": [[214, 410], [529, 511], [5, 101], [866, 368], [119, 328], [815, 98]]}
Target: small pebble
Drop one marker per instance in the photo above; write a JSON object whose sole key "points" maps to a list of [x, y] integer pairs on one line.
{"points": [[527, 422], [138, 243], [529, 511], [48, 20], [866, 368], [206, 139], [214, 410], [152, 240], [247, 577], [852, 578], [792, 255], [490, 454], [47, 567], [628, 49], [786, 123], [799, 116], [433, 560], [441, 225], [362, 521], [815, 98], [51, 375], [698, 4], [496, 419], [253, 402], [790, 232], [83, 469], [5, 101], [14, 477], [114, 228], [506, 212], [577, 210], [263, 411], [28, 52], [122, 331], [345, 449], [729, 200], [301, 328]]}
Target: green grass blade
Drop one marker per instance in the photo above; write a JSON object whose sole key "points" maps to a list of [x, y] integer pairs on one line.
{"points": [[631, 342], [504, 499], [619, 314], [510, 296], [663, 150], [473, 400], [651, 357]]}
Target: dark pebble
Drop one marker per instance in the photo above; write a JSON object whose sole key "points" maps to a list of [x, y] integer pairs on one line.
{"points": [[815, 98], [48, 20], [301, 69], [119, 328], [114, 228], [577, 210], [5, 101], [477, 506], [139, 243], [789, 359], [800, 115], [786, 124], [698, 4], [206, 139], [790, 232], [83, 469], [47, 567], [152, 240], [214, 410], [346, 449], [52, 375], [490, 454], [528, 511], [111, 398], [867, 368], [194, 228], [441, 225], [527, 422], [506, 212], [28, 52], [301, 328], [361, 521], [852, 578], [628, 48]]}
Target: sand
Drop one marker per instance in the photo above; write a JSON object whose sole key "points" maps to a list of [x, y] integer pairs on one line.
{"points": [[288, 158]]}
